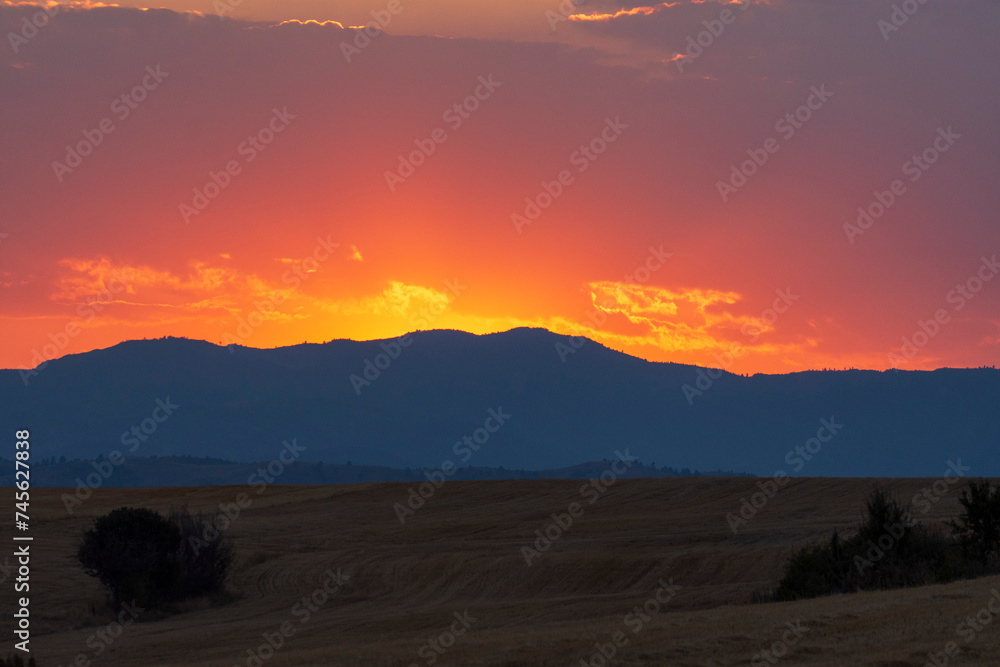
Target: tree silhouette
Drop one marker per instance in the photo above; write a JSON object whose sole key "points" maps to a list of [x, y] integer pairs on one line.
{"points": [[978, 527], [135, 555]]}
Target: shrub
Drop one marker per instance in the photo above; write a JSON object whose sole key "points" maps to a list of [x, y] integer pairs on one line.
{"points": [[139, 555], [978, 526], [894, 550], [890, 550], [134, 554], [206, 556]]}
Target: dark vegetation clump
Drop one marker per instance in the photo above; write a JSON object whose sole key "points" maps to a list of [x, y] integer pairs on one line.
{"points": [[142, 557], [891, 549], [206, 554], [978, 526], [17, 661]]}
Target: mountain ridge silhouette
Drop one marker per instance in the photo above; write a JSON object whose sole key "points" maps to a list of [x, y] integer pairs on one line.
{"points": [[241, 403]]}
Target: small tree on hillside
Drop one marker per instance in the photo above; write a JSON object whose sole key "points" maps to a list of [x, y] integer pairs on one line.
{"points": [[134, 553], [978, 527]]}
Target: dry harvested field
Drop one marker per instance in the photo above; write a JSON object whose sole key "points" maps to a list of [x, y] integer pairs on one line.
{"points": [[461, 554]]}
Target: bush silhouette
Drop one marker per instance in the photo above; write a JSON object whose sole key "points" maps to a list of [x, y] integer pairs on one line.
{"points": [[134, 554], [206, 554], [978, 526], [139, 555], [890, 550], [894, 550]]}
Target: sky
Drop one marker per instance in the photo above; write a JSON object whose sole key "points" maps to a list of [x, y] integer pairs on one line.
{"points": [[764, 187]]}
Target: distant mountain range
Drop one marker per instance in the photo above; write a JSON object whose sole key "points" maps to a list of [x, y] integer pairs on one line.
{"points": [[194, 471], [523, 399]]}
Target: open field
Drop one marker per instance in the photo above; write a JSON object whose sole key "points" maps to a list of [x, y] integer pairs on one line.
{"points": [[461, 553]]}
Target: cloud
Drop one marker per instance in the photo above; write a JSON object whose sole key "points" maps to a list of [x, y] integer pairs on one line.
{"points": [[675, 320], [397, 300], [634, 11], [229, 292], [202, 287], [297, 22]]}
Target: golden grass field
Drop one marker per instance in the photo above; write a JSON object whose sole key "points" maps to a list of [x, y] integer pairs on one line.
{"points": [[461, 552]]}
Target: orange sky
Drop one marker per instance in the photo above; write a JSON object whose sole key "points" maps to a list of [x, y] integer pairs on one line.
{"points": [[634, 242]]}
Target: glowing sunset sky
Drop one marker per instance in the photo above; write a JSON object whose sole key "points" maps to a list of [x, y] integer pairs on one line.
{"points": [[487, 165]]}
